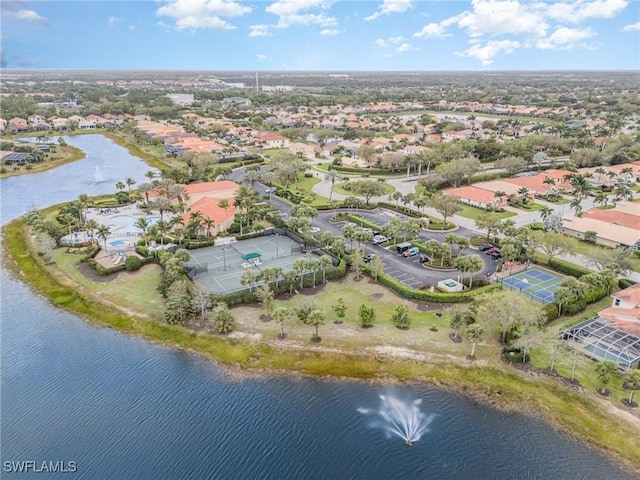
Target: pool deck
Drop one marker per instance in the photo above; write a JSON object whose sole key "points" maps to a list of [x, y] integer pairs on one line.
{"points": [[102, 218]]}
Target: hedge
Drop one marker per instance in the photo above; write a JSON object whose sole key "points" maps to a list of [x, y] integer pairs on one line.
{"points": [[402, 209], [625, 283], [370, 171], [550, 311], [436, 297], [568, 268]]}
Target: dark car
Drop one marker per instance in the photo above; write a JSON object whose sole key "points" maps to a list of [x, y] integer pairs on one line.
{"points": [[496, 254], [485, 246], [369, 257], [424, 258]]}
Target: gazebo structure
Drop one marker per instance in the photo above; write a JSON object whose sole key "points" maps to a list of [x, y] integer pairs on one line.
{"points": [[599, 339], [251, 259]]}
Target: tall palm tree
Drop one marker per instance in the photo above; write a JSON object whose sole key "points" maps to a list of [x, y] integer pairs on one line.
{"points": [[143, 224], [103, 232], [600, 171], [91, 226], [145, 189], [332, 176], [545, 212], [151, 175], [575, 204], [120, 186], [224, 204], [130, 182], [162, 205], [209, 223]]}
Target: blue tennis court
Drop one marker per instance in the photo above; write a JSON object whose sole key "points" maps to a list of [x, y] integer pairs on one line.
{"points": [[535, 283]]}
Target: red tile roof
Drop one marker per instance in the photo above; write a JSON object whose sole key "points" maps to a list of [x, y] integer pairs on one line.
{"points": [[209, 207], [472, 193], [194, 188], [614, 217]]}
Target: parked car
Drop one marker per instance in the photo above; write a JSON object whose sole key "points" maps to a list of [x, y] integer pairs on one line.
{"points": [[369, 257], [496, 255], [411, 252], [485, 246], [424, 258], [403, 247], [378, 239], [490, 251]]}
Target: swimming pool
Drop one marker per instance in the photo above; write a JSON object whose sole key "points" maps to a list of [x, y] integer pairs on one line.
{"points": [[118, 243], [129, 221]]}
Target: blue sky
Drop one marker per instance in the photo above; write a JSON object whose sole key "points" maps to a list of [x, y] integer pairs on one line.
{"points": [[322, 34]]}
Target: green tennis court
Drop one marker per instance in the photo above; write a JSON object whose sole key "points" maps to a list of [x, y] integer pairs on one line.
{"points": [[536, 283]]}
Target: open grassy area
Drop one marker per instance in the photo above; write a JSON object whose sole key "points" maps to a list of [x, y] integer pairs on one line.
{"points": [[62, 155], [339, 188], [137, 290], [531, 207], [587, 249], [472, 212], [379, 353]]}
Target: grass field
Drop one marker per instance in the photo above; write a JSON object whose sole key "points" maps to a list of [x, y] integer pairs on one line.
{"points": [[472, 212], [339, 188]]}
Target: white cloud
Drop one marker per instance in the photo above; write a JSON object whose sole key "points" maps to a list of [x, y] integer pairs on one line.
{"points": [[391, 6], [260, 57], [289, 13], [329, 32], [259, 31], [405, 47], [486, 53], [581, 10], [113, 20], [199, 14], [396, 40], [496, 17], [565, 38], [381, 42], [131, 28], [432, 30], [634, 27], [26, 15]]}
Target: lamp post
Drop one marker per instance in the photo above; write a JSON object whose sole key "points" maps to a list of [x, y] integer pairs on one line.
{"points": [[277, 250], [224, 257]]}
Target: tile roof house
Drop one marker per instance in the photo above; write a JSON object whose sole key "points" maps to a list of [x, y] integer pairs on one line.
{"points": [[474, 196], [205, 198]]}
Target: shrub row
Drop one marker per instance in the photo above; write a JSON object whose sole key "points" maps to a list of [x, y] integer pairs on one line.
{"points": [[437, 297], [245, 296], [402, 209], [370, 171], [568, 268], [242, 160], [625, 283]]}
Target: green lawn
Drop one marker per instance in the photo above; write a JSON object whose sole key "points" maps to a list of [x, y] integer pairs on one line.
{"points": [[137, 290], [338, 188], [305, 186], [531, 207], [586, 249], [560, 201], [472, 212]]}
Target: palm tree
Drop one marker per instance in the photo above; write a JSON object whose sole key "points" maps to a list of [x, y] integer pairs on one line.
{"points": [[143, 224], [120, 186], [332, 176], [249, 277], [580, 185], [605, 370], [209, 223], [195, 220], [145, 189], [397, 196], [103, 232], [324, 262], [600, 171], [575, 204], [545, 212], [474, 333], [316, 318], [224, 204], [523, 194], [162, 228], [151, 175], [162, 205], [631, 383], [300, 267], [499, 194], [130, 182], [601, 198], [280, 314], [90, 226]]}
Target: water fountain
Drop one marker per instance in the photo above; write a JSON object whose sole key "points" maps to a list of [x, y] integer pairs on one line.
{"points": [[401, 418], [97, 175]]}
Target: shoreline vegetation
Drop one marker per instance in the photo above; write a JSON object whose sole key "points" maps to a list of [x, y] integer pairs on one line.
{"points": [[583, 416], [70, 154]]}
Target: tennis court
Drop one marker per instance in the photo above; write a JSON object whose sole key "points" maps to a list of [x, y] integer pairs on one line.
{"points": [[535, 283], [218, 269]]}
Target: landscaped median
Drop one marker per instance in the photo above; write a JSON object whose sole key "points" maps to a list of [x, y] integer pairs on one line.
{"points": [[579, 414]]}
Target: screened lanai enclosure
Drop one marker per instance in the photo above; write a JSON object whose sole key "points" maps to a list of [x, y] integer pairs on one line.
{"points": [[600, 340]]}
